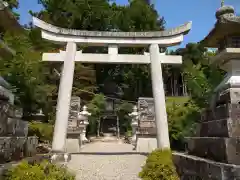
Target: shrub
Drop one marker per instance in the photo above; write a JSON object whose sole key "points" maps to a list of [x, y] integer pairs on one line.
{"points": [[42, 171], [159, 166], [182, 120], [43, 131]]}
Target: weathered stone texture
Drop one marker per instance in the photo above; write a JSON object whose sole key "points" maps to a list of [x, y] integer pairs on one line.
{"points": [[147, 123], [31, 146], [14, 143], [218, 144], [75, 108], [17, 127], [226, 150], [13, 127], [194, 168], [15, 148], [11, 148]]}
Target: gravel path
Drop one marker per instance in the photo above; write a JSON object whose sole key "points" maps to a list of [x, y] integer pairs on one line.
{"points": [[106, 161]]}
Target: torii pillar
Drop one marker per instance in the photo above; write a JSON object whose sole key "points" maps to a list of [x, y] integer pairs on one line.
{"points": [[113, 40]]}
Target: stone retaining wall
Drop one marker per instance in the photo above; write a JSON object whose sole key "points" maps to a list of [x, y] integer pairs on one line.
{"points": [[14, 142]]}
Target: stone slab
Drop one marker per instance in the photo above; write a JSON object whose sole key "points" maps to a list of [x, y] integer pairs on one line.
{"points": [[13, 127], [17, 127], [10, 110], [226, 150], [11, 148], [30, 148], [222, 111], [15, 148], [195, 168], [220, 128], [146, 144], [73, 145]]}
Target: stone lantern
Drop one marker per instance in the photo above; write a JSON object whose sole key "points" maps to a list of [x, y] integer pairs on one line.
{"points": [[214, 153], [135, 116], [83, 122]]}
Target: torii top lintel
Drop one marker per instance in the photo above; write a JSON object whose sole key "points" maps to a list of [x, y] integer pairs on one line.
{"points": [[165, 38]]}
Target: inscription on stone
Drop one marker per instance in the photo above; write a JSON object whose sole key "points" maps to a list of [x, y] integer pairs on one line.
{"points": [[75, 107], [146, 110]]}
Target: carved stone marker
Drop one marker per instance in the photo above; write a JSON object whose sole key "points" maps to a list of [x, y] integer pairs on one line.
{"points": [[73, 132], [146, 132], [75, 106], [147, 125]]}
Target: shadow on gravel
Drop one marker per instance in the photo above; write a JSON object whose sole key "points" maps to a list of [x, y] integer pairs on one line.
{"points": [[111, 153]]}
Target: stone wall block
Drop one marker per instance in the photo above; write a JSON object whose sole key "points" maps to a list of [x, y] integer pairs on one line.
{"points": [[17, 127], [225, 150], [30, 147], [11, 148]]}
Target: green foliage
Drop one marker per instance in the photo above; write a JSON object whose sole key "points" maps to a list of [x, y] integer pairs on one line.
{"points": [[96, 107], [159, 166], [181, 123], [201, 76], [43, 131], [42, 171], [123, 109], [12, 3], [24, 73]]}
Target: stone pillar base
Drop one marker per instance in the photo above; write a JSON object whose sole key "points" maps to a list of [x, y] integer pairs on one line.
{"points": [[146, 144], [59, 157], [73, 145]]}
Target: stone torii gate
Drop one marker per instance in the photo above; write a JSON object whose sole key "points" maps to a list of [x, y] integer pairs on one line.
{"points": [[113, 40]]}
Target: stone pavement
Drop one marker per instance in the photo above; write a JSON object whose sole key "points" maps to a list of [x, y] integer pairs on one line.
{"points": [[107, 161]]}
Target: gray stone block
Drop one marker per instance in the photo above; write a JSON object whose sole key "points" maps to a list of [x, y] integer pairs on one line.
{"points": [[224, 150], [146, 144], [30, 148], [13, 127], [195, 168], [11, 148], [220, 128], [75, 103], [17, 127]]}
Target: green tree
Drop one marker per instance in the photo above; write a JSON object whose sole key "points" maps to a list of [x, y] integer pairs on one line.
{"points": [[123, 109], [96, 107], [12, 3], [201, 76], [24, 73]]}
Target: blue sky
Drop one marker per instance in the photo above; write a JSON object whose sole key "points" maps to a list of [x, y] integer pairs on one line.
{"points": [[175, 12]]}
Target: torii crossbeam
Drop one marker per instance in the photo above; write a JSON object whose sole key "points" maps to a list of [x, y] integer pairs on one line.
{"points": [[112, 40]]}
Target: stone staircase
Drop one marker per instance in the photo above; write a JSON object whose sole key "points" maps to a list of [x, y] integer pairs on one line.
{"points": [[107, 137], [215, 152]]}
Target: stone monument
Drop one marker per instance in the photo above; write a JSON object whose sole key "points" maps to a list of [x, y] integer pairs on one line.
{"points": [[215, 153], [146, 131], [73, 143]]}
